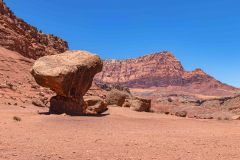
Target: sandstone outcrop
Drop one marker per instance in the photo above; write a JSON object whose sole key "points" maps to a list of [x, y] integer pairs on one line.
{"points": [[16, 83], [70, 75], [17, 35]]}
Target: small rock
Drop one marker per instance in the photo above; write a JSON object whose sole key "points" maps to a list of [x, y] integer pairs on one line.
{"points": [[22, 106], [38, 103], [126, 104], [41, 94], [35, 86], [236, 117], [181, 113]]}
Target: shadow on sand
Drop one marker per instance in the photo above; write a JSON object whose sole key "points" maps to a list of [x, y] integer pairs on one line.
{"points": [[87, 115]]}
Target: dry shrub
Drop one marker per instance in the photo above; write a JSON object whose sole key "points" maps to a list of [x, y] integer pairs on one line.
{"points": [[16, 118]]}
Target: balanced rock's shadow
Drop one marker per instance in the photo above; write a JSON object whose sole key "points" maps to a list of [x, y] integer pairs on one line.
{"points": [[86, 115]]}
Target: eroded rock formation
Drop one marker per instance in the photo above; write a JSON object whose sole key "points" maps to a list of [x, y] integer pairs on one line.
{"points": [[70, 75], [17, 35], [160, 70]]}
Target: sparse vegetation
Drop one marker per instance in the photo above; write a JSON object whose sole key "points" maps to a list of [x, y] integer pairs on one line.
{"points": [[16, 118]]}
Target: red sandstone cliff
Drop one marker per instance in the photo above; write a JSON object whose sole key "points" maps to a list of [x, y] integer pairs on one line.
{"points": [[17, 35], [157, 70]]}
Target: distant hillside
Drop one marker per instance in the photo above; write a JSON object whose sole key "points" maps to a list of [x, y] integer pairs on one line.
{"points": [[17, 35], [160, 70]]}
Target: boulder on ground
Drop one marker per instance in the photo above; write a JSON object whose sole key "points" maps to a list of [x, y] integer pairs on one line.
{"points": [[116, 97], [181, 113], [140, 104], [70, 75], [95, 105]]}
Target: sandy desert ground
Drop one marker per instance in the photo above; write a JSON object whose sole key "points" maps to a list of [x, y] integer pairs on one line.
{"points": [[120, 134]]}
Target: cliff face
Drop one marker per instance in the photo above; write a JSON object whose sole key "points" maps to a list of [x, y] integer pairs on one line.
{"points": [[17, 35], [155, 70]]}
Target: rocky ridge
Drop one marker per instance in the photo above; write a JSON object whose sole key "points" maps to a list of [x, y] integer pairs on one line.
{"points": [[17, 35], [157, 70]]}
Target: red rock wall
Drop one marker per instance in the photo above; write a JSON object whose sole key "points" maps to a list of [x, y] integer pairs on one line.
{"points": [[17, 35], [154, 70]]}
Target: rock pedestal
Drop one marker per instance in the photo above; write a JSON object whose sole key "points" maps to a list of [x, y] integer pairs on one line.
{"points": [[70, 75], [68, 105]]}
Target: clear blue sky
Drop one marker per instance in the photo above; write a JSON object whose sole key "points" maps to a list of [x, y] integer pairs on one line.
{"points": [[201, 33]]}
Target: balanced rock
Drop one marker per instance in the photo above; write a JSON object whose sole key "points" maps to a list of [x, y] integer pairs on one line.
{"points": [[70, 75]]}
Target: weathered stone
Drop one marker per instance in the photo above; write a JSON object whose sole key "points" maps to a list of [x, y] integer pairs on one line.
{"points": [[181, 113], [69, 105], [236, 117], [95, 105], [70, 75], [38, 103], [140, 104], [116, 97], [126, 104]]}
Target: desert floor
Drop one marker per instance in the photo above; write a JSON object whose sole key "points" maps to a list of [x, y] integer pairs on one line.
{"points": [[121, 134]]}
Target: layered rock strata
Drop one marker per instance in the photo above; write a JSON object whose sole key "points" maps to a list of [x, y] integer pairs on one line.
{"points": [[19, 36]]}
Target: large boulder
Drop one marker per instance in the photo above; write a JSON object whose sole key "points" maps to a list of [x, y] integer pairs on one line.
{"points": [[117, 97], [140, 104], [70, 75], [95, 105]]}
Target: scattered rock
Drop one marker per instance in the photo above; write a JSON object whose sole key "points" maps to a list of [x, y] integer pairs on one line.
{"points": [[22, 106], [181, 113], [95, 105], [126, 104], [140, 104], [8, 85], [236, 117], [70, 75], [35, 86], [116, 97], [41, 94], [38, 102]]}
